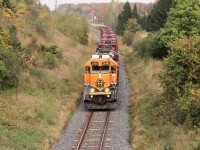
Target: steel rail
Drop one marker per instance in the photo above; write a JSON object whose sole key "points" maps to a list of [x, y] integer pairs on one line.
{"points": [[104, 131], [84, 132]]}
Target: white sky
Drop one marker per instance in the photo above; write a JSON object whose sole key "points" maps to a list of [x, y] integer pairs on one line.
{"points": [[51, 3]]}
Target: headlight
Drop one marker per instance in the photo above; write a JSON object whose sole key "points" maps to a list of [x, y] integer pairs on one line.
{"points": [[92, 90], [107, 90]]}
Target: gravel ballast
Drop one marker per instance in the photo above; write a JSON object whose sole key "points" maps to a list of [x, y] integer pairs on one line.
{"points": [[120, 127]]}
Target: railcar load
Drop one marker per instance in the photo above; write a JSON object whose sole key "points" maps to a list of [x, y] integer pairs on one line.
{"points": [[108, 43], [100, 82]]}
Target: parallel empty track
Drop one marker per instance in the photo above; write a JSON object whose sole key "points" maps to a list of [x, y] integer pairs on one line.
{"points": [[94, 134]]}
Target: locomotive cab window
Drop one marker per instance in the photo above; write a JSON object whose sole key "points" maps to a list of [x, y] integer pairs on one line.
{"points": [[96, 68], [87, 69], [105, 68]]}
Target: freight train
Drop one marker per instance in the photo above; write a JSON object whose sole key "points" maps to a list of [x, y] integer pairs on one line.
{"points": [[101, 73]]}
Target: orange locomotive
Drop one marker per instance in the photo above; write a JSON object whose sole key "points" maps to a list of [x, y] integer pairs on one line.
{"points": [[100, 82]]}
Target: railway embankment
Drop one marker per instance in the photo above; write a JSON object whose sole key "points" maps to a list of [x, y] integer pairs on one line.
{"points": [[33, 115], [151, 128]]}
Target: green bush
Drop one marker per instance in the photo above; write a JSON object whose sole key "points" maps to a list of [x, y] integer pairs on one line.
{"points": [[51, 49], [49, 60], [10, 66], [127, 37], [151, 47], [14, 41], [41, 27], [131, 28]]}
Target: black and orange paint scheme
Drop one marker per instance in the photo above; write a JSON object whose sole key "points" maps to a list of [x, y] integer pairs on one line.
{"points": [[100, 82]]}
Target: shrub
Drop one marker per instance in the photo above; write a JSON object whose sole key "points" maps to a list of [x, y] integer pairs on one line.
{"points": [[131, 28], [9, 68], [41, 27], [127, 37], [49, 60], [51, 49], [151, 47], [14, 41]]}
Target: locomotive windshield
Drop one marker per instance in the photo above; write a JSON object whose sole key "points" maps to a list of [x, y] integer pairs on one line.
{"points": [[97, 69]]}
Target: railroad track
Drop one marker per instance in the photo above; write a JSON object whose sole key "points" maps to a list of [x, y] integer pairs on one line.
{"points": [[94, 134]]}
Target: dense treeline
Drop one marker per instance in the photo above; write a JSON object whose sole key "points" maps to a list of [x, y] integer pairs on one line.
{"points": [[174, 37], [158, 15]]}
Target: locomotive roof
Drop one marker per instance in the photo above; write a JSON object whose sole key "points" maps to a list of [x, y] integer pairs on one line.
{"points": [[100, 60]]}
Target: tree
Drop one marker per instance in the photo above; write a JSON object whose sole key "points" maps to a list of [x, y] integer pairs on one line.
{"points": [[184, 20], [158, 16], [131, 28], [123, 17], [135, 14]]}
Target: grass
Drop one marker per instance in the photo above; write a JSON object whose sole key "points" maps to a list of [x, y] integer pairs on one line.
{"points": [[150, 129], [34, 115]]}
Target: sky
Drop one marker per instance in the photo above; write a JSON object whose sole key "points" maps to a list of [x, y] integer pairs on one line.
{"points": [[51, 3]]}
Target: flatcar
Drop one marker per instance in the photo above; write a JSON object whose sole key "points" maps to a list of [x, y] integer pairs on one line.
{"points": [[100, 82]]}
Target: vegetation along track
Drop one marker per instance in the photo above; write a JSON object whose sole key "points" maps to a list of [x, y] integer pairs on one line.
{"points": [[94, 134]]}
